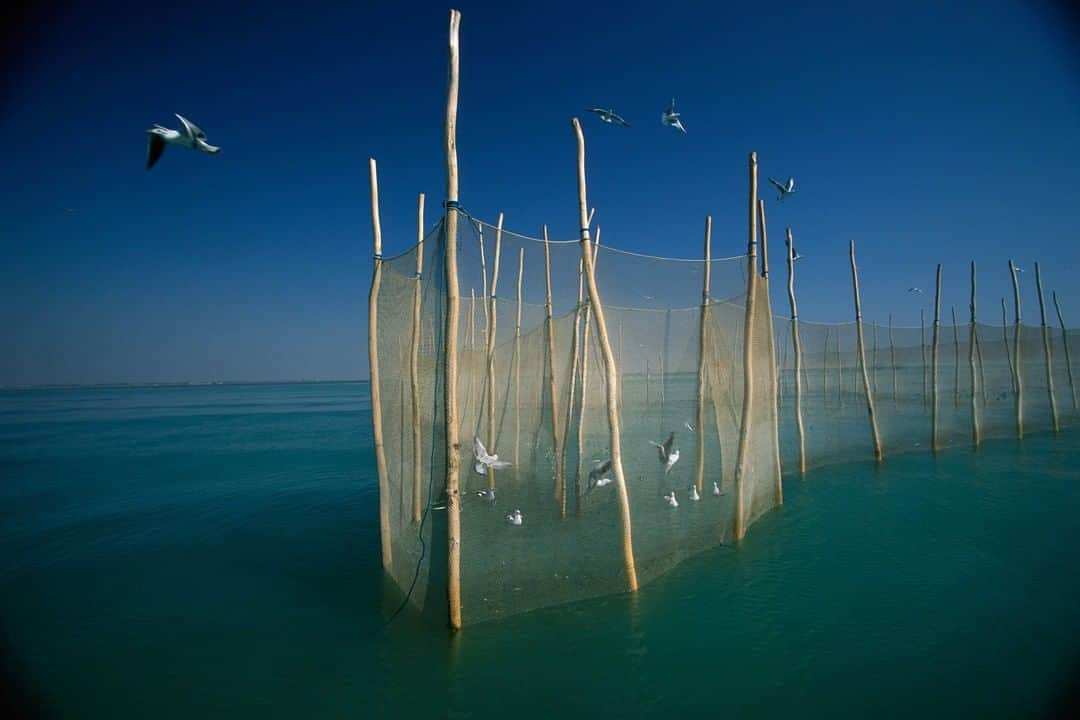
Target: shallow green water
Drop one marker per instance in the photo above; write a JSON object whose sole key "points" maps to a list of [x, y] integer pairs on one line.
{"points": [[213, 552]]}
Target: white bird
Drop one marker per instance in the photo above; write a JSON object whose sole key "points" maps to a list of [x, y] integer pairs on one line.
{"points": [[1017, 268], [915, 291], [671, 118], [485, 461], [609, 116], [668, 455], [694, 493], [486, 494], [514, 518], [716, 489], [689, 426], [671, 499], [785, 189], [797, 256], [599, 476], [190, 137]]}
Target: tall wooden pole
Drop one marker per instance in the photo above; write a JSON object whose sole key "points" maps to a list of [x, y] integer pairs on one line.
{"points": [[1065, 341], [483, 281], [556, 434], [956, 359], [1047, 353], [615, 432], [1005, 339], [976, 431], [584, 392], [517, 361], [453, 440], [414, 364], [373, 363], [571, 396], [742, 487], [778, 483], [862, 355], [490, 323], [798, 352], [1017, 359], [703, 328], [934, 363]]}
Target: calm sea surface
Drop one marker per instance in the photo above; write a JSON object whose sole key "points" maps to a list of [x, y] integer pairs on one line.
{"points": [[213, 552]]}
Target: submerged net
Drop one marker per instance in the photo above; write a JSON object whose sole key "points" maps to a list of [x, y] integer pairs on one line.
{"points": [[538, 400]]}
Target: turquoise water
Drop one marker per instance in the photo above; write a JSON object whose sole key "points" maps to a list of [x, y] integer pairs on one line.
{"points": [[213, 552]]}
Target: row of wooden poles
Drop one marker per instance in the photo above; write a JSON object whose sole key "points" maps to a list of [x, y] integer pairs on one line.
{"points": [[756, 284]]}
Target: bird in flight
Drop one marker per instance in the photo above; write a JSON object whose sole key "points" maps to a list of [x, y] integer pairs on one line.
{"points": [[668, 454], [915, 291], [190, 137], [609, 116], [785, 189], [671, 118]]}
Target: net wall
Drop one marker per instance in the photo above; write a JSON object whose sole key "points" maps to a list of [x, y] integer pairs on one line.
{"points": [[538, 400]]}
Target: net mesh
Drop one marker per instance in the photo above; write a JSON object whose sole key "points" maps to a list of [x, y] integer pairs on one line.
{"points": [[538, 400]]}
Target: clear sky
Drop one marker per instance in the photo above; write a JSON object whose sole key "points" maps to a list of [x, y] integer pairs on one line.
{"points": [[927, 133]]}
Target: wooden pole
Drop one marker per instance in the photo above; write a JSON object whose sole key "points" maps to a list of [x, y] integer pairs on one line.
{"points": [[584, 393], [517, 361], [1005, 339], [956, 359], [976, 431], [778, 484], [798, 352], [703, 326], [556, 436], [614, 428], [764, 241], [892, 360], [862, 354], [483, 281], [373, 363], [414, 364], [979, 361], [490, 323], [571, 397], [1065, 341], [1017, 361], [1047, 353], [453, 441], [741, 467], [934, 363]]}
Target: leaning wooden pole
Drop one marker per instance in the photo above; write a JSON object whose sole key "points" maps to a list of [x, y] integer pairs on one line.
{"points": [[489, 321], [373, 363], [742, 487], [1065, 341], [453, 441], [615, 431], [934, 363], [976, 430], [862, 354], [571, 396], [517, 361], [1005, 339], [778, 483], [703, 329], [1017, 360], [1047, 353], [414, 365], [798, 352], [549, 324]]}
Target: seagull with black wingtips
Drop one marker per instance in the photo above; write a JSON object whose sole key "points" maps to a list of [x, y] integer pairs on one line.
{"points": [[191, 137]]}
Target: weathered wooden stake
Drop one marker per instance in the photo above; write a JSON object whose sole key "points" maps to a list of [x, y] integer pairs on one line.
{"points": [[741, 485], [584, 393], [556, 435], [798, 352], [956, 359], [490, 324], [615, 431], [699, 465], [770, 336], [1047, 353], [1005, 339], [414, 365], [976, 432], [453, 441], [862, 355], [373, 363], [1065, 341], [1017, 360], [934, 365]]}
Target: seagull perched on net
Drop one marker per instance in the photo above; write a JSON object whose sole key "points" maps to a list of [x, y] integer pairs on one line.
{"points": [[514, 518], [190, 137], [671, 118], [599, 476], [485, 461], [609, 116], [669, 455], [785, 189], [915, 290]]}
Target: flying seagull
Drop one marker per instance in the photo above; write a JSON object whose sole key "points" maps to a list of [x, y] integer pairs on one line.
{"points": [[784, 188], [609, 116], [668, 455], [797, 255], [671, 118], [485, 461], [190, 137], [915, 291], [599, 476]]}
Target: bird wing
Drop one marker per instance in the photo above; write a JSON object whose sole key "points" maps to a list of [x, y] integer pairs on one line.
{"points": [[679, 125], [478, 449], [668, 443], [480, 468], [501, 465], [154, 147], [599, 111], [193, 131], [618, 119], [778, 185]]}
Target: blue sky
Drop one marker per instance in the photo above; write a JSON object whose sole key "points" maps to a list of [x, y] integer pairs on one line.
{"points": [[926, 133]]}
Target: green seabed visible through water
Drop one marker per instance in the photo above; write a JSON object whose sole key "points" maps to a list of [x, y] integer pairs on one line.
{"points": [[213, 552]]}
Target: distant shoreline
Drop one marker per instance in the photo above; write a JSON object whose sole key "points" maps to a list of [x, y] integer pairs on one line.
{"points": [[106, 386]]}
